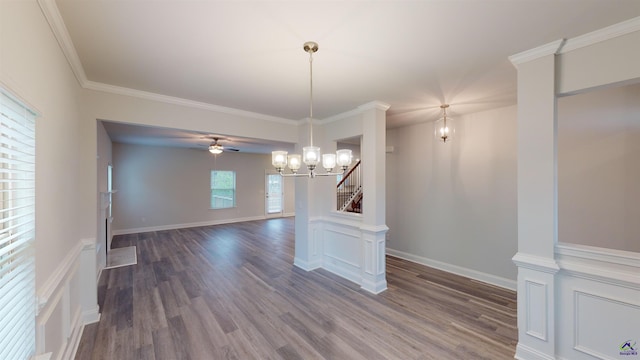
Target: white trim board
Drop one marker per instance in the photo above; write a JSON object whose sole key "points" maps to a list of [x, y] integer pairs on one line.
{"points": [[454, 269], [187, 225]]}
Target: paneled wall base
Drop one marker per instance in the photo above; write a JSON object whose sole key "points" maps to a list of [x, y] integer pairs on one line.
{"points": [[349, 249], [373, 275], [536, 313], [66, 302]]}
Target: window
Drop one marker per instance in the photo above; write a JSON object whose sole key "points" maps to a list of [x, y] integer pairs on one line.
{"points": [[110, 188], [17, 229], [223, 189]]}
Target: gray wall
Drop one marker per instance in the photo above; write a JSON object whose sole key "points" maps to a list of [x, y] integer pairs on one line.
{"points": [[598, 168], [455, 203], [160, 187]]}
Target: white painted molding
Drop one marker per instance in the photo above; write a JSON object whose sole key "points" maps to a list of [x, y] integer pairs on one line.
{"points": [[305, 265], [603, 255], [343, 219], [536, 53], [536, 263], [60, 32], [524, 352], [609, 266], [187, 225], [458, 270], [374, 229], [604, 34], [73, 341], [355, 112], [56, 280], [374, 287], [88, 244], [46, 356], [343, 269], [378, 105], [118, 90], [91, 316], [536, 293], [290, 214]]}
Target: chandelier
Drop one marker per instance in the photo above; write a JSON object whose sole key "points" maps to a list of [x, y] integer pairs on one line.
{"points": [[444, 130], [311, 154]]}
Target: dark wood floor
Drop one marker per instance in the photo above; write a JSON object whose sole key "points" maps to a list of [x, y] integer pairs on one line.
{"points": [[231, 292]]}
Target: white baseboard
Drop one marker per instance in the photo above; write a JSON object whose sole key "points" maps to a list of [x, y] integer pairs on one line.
{"points": [[458, 270], [184, 226], [291, 214], [305, 265], [91, 316], [343, 269], [373, 287], [524, 352]]}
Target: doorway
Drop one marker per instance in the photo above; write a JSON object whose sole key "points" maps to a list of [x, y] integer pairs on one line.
{"points": [[274, 195]]}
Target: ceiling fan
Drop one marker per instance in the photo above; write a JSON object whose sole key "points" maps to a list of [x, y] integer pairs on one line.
{"points": [[216, 148]]}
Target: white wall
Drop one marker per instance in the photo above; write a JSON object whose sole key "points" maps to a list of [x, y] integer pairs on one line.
{"points": [[160, 187], [598, 172], [33, 67], [453, 205]]}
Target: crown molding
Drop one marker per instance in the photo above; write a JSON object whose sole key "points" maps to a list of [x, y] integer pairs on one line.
{"points": [[378, 105], [594, 37], [551, 48], [119, 90], [60, 32]]}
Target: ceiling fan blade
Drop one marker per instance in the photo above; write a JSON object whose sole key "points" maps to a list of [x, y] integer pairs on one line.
{"points": [[230, 149]]}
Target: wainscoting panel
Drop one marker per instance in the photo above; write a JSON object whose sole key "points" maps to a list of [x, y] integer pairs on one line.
{"points": [[342, 251], [598, 303], [537, 309], [61, 315], [594, 313]]}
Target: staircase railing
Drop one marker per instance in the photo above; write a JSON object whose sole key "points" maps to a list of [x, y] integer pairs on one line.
{"points": [[349, 190]]}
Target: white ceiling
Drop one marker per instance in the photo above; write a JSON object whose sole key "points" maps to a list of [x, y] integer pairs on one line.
{"points": [[248, 54]]}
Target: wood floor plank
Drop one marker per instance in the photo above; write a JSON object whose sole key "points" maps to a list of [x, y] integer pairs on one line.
{"points": [[231, 292]]}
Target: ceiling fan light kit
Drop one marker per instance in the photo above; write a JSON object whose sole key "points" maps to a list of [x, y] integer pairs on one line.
{"points": [[216, 148], [311, 155]]}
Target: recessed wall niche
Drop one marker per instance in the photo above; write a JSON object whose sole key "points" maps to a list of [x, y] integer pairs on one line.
{"points": [[599, 168]]}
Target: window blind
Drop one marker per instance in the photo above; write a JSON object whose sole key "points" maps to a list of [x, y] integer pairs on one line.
{"points": [[17, 229]]}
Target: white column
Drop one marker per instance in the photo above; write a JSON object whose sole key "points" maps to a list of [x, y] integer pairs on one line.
{"points": [[373, 226], [308, 234], [537, 202]]}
